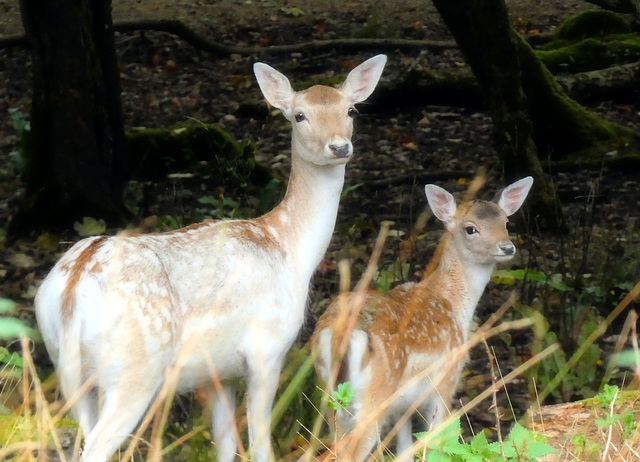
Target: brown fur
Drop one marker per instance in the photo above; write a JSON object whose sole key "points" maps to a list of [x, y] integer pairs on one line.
{"points": [[76, 269]]}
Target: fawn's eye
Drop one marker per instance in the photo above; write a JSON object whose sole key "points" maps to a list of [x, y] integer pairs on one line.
{"points": [[471, 230], [299, 117], [352, 112]]}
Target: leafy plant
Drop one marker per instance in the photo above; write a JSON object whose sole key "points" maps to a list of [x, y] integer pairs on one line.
{"points": [[584, 448], [342, 397], [510, 276], [580, 380], [223, 207], [12, 327], [446, 445], [396, 272], [629, 424], [293, 11], [628, 358], [23, 130], [12, 362], [90, 227], [607, 398]]}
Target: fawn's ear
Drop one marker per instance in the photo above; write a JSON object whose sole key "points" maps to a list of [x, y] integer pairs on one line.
{"points": [[513, 196], [275, 87], [362, 80], [442, 204]]}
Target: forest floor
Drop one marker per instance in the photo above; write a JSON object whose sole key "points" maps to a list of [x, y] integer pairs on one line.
{"points": [[166, 81]]}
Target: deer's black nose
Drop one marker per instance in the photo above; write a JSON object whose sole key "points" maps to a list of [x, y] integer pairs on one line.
{"points": [[507, 249], [340, 151]]}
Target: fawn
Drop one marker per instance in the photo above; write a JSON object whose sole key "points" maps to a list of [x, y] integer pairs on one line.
{"points": [[414, 327], [218, 300]]}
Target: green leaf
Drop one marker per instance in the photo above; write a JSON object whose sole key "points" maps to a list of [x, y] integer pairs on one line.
{"points": [[481, 447], [6, 305], [438, 456], [537, 450], [10, 359], [14, 328], [509, 277], [608, 422], [628, 358], [522, 442], [495, 448], [342, 397], [629, 423], [607, 395], [346, 191], [90, 227], [293, 11], [443, 434]]}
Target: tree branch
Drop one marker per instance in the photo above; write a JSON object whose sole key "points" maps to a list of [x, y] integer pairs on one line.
{"points": [[220, 50]]}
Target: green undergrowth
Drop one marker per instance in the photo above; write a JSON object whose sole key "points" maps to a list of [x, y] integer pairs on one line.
{"points": [[153, 153], [18, 431], [445, 444], [592, 23]]}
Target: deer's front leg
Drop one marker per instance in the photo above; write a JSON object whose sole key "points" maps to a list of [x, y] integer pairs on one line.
{"points": [[224, 423], [261, 390]]}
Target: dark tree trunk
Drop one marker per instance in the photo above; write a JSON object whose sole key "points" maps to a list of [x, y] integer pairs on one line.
{"points": [[483, 33], [75, 167]]}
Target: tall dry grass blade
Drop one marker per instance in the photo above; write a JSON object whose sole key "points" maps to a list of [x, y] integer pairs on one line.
{"points": [[45, 424], [494, 394], [506, 392], [183, 439]]}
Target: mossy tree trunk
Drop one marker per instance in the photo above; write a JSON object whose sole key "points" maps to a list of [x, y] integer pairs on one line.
{"points": [[562, 128], [483, 33], [76, 164]]}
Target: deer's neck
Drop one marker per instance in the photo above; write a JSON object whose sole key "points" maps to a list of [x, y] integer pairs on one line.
{"points": [[303, 222], [462, 282]]}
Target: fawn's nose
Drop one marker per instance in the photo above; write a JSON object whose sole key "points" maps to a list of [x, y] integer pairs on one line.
{"points": [[341, 150], [507, 248]]}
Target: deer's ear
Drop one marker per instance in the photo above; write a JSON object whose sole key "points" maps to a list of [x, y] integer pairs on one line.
{"points": [[513, 196], [275, 87], [442, 204], [362, 80]]}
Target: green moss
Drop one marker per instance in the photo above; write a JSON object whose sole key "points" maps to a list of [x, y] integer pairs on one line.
{"points": [[624, 400], [376, 27], [153, 153], [592, 53], [19, 429], [563, 128], [592, 23]]}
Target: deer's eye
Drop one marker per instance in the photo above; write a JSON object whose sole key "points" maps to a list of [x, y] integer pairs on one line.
{"points": [[470, 230], [352, 112], [299, 117]]}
